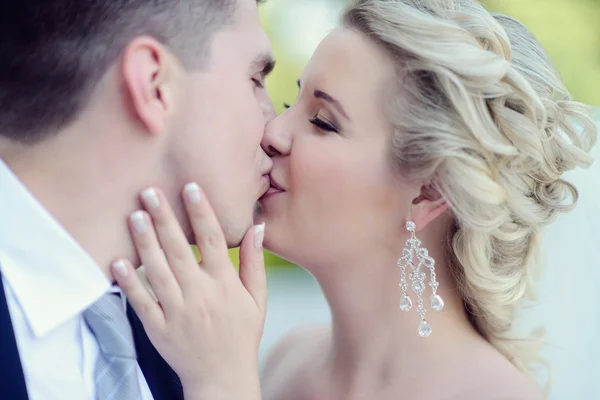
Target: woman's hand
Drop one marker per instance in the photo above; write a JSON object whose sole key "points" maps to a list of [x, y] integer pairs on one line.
{"points": [[207, 323]]}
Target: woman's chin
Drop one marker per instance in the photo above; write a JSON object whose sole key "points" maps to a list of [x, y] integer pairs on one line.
{"points": [[272, 245]]}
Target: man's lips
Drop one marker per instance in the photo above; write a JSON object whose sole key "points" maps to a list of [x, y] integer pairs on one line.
{"points": [[274, 188], [265, 184]]}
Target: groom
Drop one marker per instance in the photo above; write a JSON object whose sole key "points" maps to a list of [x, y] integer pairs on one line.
{"points": [[99, 100]]}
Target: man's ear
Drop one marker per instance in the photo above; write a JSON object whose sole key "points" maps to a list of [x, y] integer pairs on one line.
{"points": [[428, 206], [145, 68]]}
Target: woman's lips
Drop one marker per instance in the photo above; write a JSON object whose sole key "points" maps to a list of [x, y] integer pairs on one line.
{"points": [[272, 190]]}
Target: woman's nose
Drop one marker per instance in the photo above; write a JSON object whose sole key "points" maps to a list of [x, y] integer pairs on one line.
{"points": [[277, 139]]}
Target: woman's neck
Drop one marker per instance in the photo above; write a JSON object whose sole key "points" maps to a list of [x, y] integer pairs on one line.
{"points": [[373, 342]]}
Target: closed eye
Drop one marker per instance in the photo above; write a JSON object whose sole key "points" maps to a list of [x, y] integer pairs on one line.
{"points": [[258, 83], [321, 124]]}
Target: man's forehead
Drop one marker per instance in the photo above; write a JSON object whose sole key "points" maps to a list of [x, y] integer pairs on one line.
{"points": [[250, 35], [263, 51]]}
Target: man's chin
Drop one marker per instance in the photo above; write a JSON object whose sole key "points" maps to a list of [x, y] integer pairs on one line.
{"points": [[232, 240], [233, 243], [258, 211], [235, 233]]}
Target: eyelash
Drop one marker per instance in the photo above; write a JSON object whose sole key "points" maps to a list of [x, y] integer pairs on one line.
{"points": [[257, 83], [319, 123]]}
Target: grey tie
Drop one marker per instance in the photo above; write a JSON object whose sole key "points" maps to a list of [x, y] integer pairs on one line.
{"points": [[115, 376]]}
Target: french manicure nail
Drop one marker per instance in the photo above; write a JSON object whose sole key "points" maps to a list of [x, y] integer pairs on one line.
{"points": [[192, 191], [259, 235], [150, 198], [139, 222], [120, 268]]}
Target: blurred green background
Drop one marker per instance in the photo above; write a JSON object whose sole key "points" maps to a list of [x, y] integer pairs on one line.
{"points": [[568, 29]]}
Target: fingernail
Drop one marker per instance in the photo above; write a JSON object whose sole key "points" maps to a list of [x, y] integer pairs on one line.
{"points": [[139, 222], [120, 268], [150, 198], [259, 235], [192, 191]]}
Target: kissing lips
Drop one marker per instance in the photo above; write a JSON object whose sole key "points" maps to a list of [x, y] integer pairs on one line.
{"points": [[273, 189], [265, 186]]}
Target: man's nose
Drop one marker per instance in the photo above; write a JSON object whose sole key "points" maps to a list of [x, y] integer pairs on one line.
{"points": [[268, 111]]}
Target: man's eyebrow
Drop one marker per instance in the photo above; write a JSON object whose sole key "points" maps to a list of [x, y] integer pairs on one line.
{"points": [[265, 62]]}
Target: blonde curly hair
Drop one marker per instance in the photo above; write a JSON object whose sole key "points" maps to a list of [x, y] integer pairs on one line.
{"points": [[481, 115]]}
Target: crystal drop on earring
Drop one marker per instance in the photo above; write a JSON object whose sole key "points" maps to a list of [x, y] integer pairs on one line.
{"points": [[424, 328], [436, 302], [405, 303]]}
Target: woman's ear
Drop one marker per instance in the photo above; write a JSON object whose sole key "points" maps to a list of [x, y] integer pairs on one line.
{"points": [[428, 206]]}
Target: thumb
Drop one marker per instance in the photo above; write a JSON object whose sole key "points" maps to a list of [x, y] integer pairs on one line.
{"points": [[252, 265]]}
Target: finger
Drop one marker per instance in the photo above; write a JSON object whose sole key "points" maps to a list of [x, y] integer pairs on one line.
{"points": [[171, 237], [149, 312], [252, 266], [160, 276], [207, 231]]}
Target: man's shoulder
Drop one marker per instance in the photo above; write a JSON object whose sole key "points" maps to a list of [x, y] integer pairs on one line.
{"points": [[12, 378]]}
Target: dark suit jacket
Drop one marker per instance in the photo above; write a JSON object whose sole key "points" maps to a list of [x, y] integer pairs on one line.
{"points": [[162, 380]]}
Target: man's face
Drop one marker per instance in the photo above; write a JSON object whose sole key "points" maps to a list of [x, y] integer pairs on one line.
{"points": [[220, 124]]}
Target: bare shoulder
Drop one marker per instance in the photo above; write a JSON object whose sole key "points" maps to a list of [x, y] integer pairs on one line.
{"points": [[289, 359], [519, 388], [513, 385], [500, 380]]}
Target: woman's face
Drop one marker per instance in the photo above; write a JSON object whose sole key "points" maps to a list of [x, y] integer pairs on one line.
{"points": [[339, 194]]}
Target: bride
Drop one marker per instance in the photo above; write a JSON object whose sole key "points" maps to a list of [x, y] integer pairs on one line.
{"points": [[444, 120], [413, 177]]}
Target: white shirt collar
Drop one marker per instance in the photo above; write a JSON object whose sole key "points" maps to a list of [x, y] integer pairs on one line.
{"points": [[52, 277]]}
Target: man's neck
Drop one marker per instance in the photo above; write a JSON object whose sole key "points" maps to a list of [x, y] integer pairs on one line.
{"points": [[89, 198]]}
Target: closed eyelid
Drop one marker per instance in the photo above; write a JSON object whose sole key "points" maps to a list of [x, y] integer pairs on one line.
{"points": [[327, 98]]}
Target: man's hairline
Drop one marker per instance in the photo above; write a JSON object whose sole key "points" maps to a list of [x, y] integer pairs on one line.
{"points": [[264, 54]]}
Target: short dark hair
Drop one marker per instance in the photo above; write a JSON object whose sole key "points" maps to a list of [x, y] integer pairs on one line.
{"points": [[54, 52]]}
